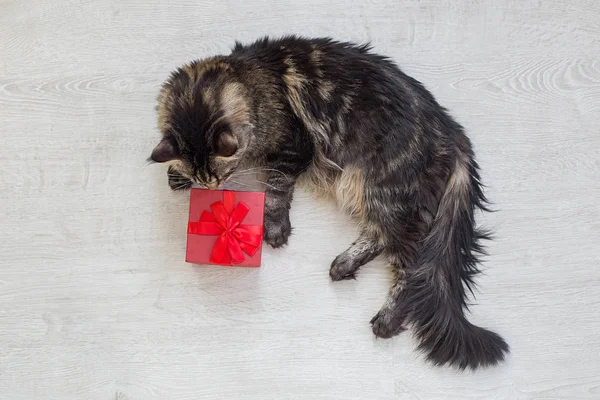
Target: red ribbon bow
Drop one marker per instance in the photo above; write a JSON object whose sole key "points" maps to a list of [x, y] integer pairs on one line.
{"points": [[234, 239]]}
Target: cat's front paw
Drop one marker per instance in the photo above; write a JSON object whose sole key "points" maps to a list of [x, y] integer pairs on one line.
{"points": [[178, 181], [277, 228], [343, 267]]}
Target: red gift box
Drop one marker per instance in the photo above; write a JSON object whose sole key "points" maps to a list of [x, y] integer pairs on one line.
{"points": [[225, 227]]}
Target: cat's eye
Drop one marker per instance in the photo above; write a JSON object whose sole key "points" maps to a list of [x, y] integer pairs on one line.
{"points": [[226, 144]]}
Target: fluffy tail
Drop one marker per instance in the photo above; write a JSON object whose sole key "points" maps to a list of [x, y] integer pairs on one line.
{"points": [[437, 286]]}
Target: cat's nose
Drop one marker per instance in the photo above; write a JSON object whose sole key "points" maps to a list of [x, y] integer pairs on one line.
{"points": [[212, 185]]}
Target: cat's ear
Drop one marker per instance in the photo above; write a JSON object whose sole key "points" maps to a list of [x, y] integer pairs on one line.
{"points": [[165, 151], [226, 144]]}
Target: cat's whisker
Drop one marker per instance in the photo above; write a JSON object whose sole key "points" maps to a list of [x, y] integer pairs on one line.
{"points": [[270, 186], [183, 186], [261, 169], [258, 181], [249, 185], [251, 172], [178, 182], [239, 183], [176, 176]]}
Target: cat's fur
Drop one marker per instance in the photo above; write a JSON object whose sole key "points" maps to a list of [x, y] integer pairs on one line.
{"points": [[348, 123]]}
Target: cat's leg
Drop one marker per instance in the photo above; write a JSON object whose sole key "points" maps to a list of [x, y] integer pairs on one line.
{"points": [[400, 231], [278, 199], [389, 321], [363, 250], [281, 179], [177, 181]]}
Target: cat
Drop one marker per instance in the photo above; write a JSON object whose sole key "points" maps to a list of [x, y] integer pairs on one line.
{"points": [[347, 122]]}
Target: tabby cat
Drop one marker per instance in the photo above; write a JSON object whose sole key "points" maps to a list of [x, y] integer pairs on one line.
{"points": [[344, 121]]}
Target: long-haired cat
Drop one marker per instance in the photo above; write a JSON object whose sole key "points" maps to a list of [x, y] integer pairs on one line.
{"points": [[348, 122]]}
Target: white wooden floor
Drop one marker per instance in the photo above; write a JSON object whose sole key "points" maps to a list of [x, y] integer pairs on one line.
{"points": [[96, 301]]}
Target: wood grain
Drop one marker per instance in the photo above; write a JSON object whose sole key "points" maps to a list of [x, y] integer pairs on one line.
{"points": [[97, 303]]}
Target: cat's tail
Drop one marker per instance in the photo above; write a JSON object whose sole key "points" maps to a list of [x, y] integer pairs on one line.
{"points": [[437, 286]]}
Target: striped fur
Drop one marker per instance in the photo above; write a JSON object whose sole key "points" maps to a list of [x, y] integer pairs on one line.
{"points": [[349, 124]]}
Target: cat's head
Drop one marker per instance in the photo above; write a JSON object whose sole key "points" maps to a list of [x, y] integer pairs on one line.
{"points": [[204, 116]]}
